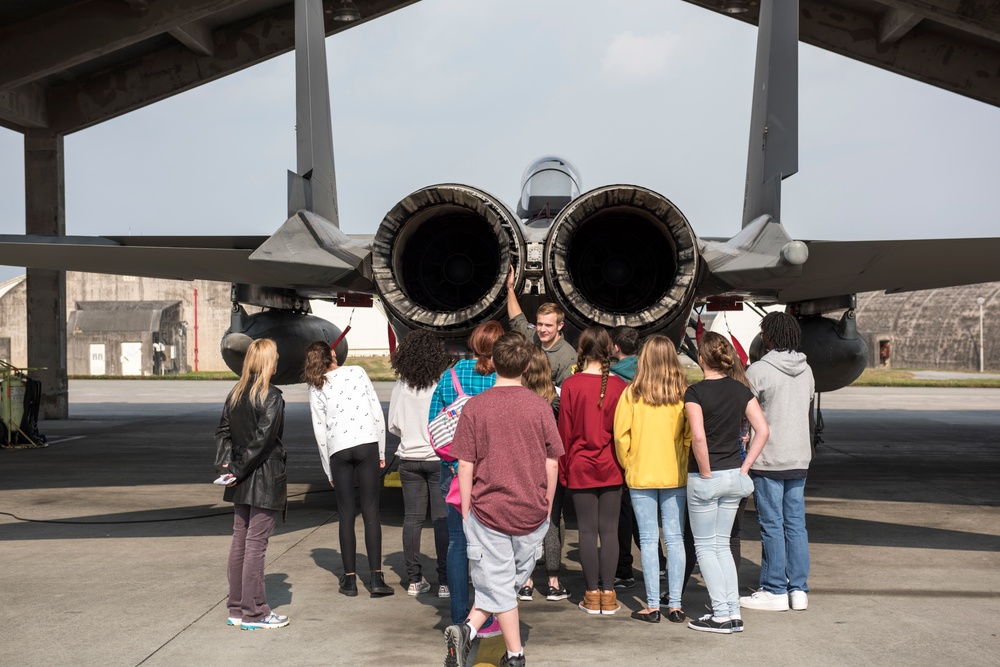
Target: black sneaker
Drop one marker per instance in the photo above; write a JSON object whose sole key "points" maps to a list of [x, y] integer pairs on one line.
{"points": [[556, 594], [459, 644], [624, 582], [737, 624], [349, 585], [525, 593], [507, 661], [708, 624]]}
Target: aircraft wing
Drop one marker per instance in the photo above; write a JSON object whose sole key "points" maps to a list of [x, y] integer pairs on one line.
{"points": [[849, 267], [221, 258]]}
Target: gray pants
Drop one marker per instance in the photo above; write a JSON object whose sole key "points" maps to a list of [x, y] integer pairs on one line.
{"points": [[252, 527], [421, 481], [500, 564]]}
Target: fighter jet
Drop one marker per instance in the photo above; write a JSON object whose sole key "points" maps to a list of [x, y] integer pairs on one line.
{"points": [[618, 254]]}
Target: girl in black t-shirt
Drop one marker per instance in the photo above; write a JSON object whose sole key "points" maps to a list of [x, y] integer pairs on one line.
{"points": [[718, 478]]}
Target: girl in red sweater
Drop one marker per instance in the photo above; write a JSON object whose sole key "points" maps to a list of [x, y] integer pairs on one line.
{"points": [[589, 469]]}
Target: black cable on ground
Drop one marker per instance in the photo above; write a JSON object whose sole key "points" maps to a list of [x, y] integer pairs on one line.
{"points": [[112, 523]]}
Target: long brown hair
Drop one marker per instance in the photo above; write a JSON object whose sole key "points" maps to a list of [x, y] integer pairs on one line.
{"points": [[659, 380], [319, 358], [719, 355], [481, 343], [258, 366], [595, 345], [538, 376]]}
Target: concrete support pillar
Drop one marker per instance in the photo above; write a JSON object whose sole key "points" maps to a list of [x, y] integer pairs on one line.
{"points": [[45, 213]]}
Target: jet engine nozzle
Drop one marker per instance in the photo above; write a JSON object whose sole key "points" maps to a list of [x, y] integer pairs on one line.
{"points": [[441, 255], [623, 255]]}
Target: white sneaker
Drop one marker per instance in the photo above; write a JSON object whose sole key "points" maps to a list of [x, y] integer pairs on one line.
{"points": [[418, 587], [272, 620], [235, 621], [798, 600], [765, 601], [443, 591]]}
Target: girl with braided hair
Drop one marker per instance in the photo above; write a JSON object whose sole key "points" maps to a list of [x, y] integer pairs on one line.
{"points": [[718, 476], [589, 469]]}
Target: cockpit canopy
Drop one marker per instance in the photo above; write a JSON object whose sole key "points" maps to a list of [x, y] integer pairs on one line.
{"points": [[548, 184]]}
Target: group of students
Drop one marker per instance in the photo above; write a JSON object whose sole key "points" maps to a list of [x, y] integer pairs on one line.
{"points": [[682, 453]]}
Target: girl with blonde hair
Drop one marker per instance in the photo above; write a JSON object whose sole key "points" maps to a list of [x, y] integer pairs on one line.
{"points": [[538, 378], [249, 450], [652, 440]]}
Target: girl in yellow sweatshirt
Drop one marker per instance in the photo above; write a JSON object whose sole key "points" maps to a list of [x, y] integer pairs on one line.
{"points": [[652, 442]]}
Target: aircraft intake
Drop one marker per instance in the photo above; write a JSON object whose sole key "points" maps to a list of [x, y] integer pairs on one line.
{"points": [[441, 255], [623, 255]]}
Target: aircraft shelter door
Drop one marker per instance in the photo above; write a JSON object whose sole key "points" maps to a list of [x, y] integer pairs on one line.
{"points": [[131, 358]]}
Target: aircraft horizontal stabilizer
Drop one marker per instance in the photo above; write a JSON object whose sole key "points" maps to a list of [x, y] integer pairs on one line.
{"points": [[849, 267], [222, 258], [318, 252]]}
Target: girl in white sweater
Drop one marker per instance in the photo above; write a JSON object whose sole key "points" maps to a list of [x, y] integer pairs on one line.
{"points": [[419, 360], [350, 431]]}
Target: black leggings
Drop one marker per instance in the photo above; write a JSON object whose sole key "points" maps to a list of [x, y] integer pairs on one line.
{"points": [[597, 517], [362, 461]]}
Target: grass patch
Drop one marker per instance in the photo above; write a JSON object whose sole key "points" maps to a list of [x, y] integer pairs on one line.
{"points": [[884, 377], [200, 375], [378, 368]]}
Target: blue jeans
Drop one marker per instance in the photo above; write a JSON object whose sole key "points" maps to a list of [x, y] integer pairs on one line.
{"points": [[670, 503], [781, 512], [712, 505], [458, 560]]}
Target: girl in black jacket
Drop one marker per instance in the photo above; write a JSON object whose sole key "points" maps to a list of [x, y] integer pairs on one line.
{"points": [[248, 443]]}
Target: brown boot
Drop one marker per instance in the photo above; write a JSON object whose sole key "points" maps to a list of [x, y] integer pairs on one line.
{"points": [[609, 602], [591, 602]]}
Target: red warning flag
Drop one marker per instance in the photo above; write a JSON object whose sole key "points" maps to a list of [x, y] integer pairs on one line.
{"points": [[392, 340], [699, 331], [740, 352], [342, 336]]}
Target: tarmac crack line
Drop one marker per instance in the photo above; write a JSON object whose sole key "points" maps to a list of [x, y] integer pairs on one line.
{"points": [[223, 600]]}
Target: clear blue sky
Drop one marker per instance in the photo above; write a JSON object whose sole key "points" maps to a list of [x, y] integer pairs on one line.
{"points": [[647, 92]]}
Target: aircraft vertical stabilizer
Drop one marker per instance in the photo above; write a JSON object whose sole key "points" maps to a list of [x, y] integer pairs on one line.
{"points": [[314, 187], [774, 122]]}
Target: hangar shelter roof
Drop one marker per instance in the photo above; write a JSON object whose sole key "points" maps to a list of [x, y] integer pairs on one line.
{"points": [[69, 64]]}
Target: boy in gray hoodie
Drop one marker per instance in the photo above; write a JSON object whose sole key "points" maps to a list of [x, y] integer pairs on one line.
{"points": [[783, 384]]}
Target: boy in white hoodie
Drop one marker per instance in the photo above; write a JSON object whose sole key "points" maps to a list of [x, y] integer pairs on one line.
{"points": [[783, 384]]}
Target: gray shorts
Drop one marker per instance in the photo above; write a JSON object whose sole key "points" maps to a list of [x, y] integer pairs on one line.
{"points": [[500, 564]]}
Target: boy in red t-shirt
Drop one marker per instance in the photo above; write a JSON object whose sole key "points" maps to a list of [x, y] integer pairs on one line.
{"points": [[508, 448]]}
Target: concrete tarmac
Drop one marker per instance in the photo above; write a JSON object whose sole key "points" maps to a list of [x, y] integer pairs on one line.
{"points": [[113, 545]]}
